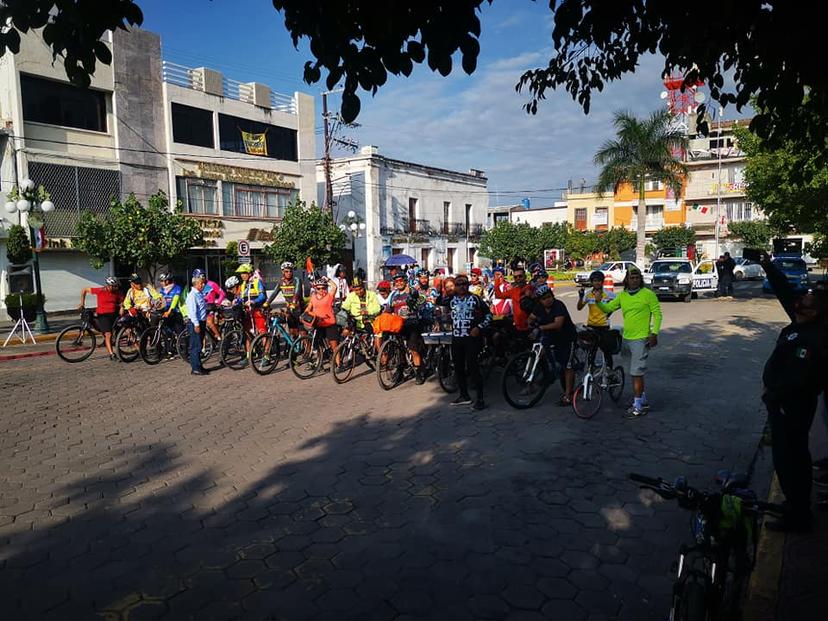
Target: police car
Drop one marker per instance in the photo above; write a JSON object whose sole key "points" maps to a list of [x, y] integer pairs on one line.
{"points": [[681, 278]]}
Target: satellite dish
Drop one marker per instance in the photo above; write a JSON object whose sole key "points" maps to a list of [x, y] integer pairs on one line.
{"points": [[663, 95], [699, 97]]}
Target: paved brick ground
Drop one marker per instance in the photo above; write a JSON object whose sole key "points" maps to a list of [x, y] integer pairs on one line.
{"points": [[143, 492]]}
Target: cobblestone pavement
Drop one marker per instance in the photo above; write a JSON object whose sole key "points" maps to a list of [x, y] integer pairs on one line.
{"points": [[141, 492]]}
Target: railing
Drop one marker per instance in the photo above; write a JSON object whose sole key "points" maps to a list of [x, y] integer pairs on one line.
{"points": [[188, 77], [475, 231], [455, 229], [419, 226]]}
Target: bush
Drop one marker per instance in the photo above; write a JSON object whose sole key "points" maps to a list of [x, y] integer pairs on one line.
{"points": [[29, 299], [18, 247]]}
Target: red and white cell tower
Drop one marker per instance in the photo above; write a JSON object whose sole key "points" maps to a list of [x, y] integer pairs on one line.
{"points": [[681, 103]]}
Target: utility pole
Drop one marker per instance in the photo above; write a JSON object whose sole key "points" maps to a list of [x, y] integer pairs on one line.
{"points": [[327, 159]]}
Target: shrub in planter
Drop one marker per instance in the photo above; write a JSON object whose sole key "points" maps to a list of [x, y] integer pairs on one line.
{"points": [[30, 301], [18, 247]]}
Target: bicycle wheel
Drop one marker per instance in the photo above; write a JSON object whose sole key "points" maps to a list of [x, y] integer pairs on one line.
{"points": [[390, 364], [182, 344], [265, 352], [150, 346], [445, 370], [75, 344], [518, 390], [368, 352], [343, 361], [587, 399], [616, 383], [126, 344], [691, 603], [305, 359], [233, 352]]}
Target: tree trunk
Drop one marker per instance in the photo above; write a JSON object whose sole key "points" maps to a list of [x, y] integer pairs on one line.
{"points": [[641, 232]]}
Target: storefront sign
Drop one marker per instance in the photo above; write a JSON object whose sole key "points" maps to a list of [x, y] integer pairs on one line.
{"points": [[58, 243], [237, 174], [728, 188], [262, 235], [600, 217]]}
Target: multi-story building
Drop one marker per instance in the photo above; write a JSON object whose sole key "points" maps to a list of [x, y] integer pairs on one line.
{"points": [[523, 213], [432, 214], [234, 153]]}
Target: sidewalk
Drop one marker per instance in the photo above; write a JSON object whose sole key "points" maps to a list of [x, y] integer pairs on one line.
{"points": [[15, 348], [792, 570]]}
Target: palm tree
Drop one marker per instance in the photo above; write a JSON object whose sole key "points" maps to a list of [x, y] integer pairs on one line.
{"points": [[643, 150]]}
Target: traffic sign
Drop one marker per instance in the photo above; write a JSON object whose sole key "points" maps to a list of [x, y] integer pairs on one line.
{"points": [[244, 248]]}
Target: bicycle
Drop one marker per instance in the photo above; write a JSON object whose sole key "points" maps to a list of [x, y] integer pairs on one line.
{"points": [[127, 334], [209, 344], [158, 340], [268, 348], [394, 362], [439, 359], [712, 572], [309, 354], [81, 339], [598, 376], [529, 374], [234, 338], [358, 344]]}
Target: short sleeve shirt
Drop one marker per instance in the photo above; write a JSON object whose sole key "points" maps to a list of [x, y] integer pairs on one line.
{"points": [[108, 301], [596, 317], [567, 334]]}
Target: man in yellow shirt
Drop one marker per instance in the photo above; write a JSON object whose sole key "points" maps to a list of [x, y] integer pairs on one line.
{"points": [[597, 319], [139, 297]]}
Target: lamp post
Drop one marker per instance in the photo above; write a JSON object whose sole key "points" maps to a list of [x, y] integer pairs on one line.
{"points": [[355, 227], [33, 201]]}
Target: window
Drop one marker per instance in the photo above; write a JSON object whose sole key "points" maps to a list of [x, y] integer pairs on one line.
{"points": [[192, 126], [501, 217], [581, 219], [424, 252], [198, 195], [450, 259], [472, 253], [468, 217], [651, 185], [736, 212], [280, 141], [258, 202], [446, 211], [56, 103], [412, 215], [601, 218]]}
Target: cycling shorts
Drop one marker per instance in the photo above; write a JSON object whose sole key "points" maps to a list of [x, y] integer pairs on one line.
{"points": [[413, 337]]}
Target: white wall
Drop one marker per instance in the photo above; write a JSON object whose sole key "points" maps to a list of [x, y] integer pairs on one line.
{"points": [[539, 217], [63, 274]]}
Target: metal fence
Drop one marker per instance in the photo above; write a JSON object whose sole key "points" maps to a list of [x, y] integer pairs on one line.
{"points": [[74, 189]]}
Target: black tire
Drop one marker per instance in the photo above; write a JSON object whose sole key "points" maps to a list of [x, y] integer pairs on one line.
{"points": [[305, 358], [691, 604], [586, 403], [150, 345], [183, 346], [446, 374], [688, 298], [74, 344], [343, 362], [265, 353], [232, 351], [616, 389], [391, 364], [516, 390], [127, 341], [739, 275]]}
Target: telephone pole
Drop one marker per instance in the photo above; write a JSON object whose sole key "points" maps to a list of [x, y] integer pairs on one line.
{"points": [[327, 157]]}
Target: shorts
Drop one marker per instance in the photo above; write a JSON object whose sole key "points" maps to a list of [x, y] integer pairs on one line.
{"points": [[639, 352], [413, 336], [331, 333], [293, 322], [106, 321], [563, 354]]}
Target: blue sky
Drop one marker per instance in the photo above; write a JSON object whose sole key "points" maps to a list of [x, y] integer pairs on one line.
{"points": [[459, 122]]}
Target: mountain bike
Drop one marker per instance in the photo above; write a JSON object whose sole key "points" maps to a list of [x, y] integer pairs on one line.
{"points": [[309, 354], [394, 361], [127, 335], [159, 340], [76, 343], [357, 346], [234, 337], [598, 377], [268, 348], [712, 571], [438, 358], [208, 344]]}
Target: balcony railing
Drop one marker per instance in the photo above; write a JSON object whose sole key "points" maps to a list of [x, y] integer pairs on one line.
{"points": [[422, 227], [475, 231], [456, 229]]}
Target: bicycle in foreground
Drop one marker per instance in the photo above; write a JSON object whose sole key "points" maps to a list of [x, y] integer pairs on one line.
{"points": [[159, 340], [357, 346], [713, 570], [76, 343], [309, 354], [269, 348], [529, 374], [598, 377]]}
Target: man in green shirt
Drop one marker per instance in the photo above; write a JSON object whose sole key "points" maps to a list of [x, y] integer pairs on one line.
{"points": [[642, 321]]}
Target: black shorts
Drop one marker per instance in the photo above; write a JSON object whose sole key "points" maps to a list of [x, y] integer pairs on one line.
{"points": [[293, 320], [331, 332], [106, 321], [563, 354], [413, 336]]}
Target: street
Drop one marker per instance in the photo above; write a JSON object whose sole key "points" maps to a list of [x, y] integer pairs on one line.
{"points": [[131, 491]]}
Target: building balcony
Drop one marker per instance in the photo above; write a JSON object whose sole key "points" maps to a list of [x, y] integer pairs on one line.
{"points": [[475, 231], [454, 229]]}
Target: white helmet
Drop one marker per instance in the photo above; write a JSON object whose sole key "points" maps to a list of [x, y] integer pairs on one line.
{"points": [[287, 265], [111, 280], [232, 282]]}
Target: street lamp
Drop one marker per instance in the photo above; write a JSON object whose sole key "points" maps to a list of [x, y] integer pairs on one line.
{"points": [[34, 201]]}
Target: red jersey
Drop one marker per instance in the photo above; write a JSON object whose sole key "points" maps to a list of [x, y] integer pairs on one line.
{"points": [[108, 301], [519, 316]]}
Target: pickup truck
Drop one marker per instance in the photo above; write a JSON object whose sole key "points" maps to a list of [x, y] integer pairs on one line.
{"points": [[681, 278]]}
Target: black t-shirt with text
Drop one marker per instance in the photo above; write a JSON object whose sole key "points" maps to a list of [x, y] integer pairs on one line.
{"points": [[566, 335]]}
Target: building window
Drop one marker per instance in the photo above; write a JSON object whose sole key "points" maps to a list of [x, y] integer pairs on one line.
{"points": [[257, 202], [601, 218], [198, 195], [468, 217], [450, 259], [737, 212], [472, 253], [280, 142], [412, 215], [424, 253], [500, 217], [652, 185], [581, 219], [56, 103], [446, 212], [192, 126]]}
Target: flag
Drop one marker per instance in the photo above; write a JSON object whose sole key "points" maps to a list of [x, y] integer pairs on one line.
{"points": [[254, 144], [704, 209], [309, 266], [40, 238]]}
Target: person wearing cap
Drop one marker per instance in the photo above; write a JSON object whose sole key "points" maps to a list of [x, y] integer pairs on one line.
{"points": [[642, 321], [140, 298], [383, 292], [109, 302], [197, 313], [406, 302], [522, 297], [557, 330], [475, 283], [253, 295], [362, 305]]}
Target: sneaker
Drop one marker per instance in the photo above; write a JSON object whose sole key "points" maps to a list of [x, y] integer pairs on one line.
{"points": [[635, 413], [419, 377], [462, 400], [479, 405]]}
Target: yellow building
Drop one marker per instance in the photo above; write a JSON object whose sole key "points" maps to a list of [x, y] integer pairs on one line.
{"points": [[587, 211]]}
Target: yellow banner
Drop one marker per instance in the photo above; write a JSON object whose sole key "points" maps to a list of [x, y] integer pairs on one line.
{"points": [[254, 144]]}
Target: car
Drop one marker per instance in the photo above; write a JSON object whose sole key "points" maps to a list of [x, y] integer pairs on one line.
{"points": [[681, 278], [747, 270], [616, 269], [795, 270]]}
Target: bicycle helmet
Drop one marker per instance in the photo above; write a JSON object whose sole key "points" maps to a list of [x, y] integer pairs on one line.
{"points": [[357, 283], [111, 281], [232, 282], [134, 278], [286, 265], [166, 276], [597, 274], [320, 282], [383, 285], [244, 268], [198, 273], [534, 268], [542, 290], [423, 272]]}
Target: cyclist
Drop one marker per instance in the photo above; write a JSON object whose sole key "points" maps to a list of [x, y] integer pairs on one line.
{"points": [[140, 298], [475, 283], [293, 292], [253, 294], [171, 294], [213, 295], [422, 281], [406, 303], [320, 305], [383, 292], [556, 328], [109, 301], [522, 297], [232, 285], [597, 319], [642, 321], [469, 316], [362, 305], [341, 280]]}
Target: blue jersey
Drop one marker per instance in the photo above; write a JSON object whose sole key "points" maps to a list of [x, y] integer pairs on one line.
{"points": [[170, 296]]}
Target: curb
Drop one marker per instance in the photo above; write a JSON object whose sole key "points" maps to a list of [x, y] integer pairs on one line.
{"points": [[31, 354], [763, 589]]}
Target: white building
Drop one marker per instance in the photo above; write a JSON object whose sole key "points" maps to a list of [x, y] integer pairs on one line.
{"points": [[143, 126], [432, 214], [524, 213]]}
